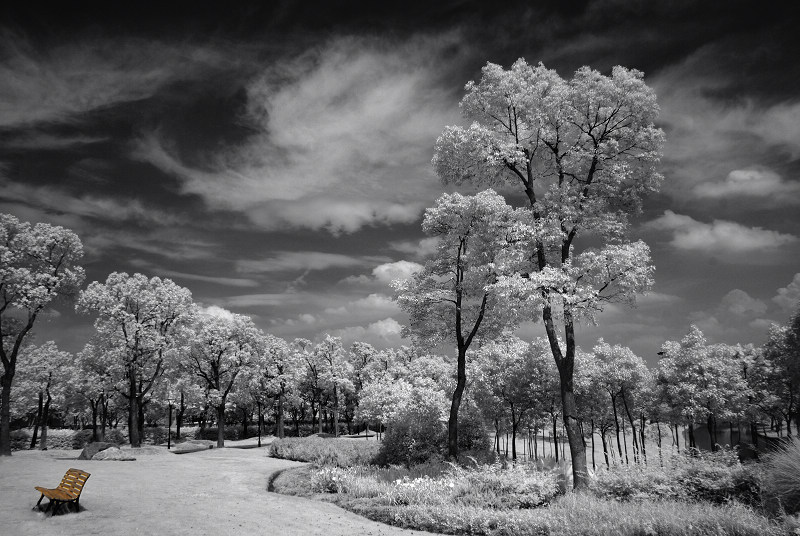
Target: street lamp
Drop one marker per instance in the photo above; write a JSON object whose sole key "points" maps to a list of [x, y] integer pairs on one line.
{"points": [[170, 400]]}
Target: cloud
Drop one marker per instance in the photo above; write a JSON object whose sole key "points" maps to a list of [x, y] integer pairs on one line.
{"points": [[224, 281], [47, 141], [61, 83], [54, 199], [285, 261], [720, 236], [418, 248], [740, 303], [712, 139], [381, 333], [788, 297], [219, 312], [344, 139], [386, 273], [759, 182]]}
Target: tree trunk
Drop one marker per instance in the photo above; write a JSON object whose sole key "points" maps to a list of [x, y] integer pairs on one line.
{"points": [[280, 424], [642, 438], [633, 429], [45, 418], [133, 411], [37, 421], [455, 404], [555, 436], [594, 468], [221, 424], [625, 442], [616, 425], [514, 439], [5, 414], [93, 404], [179, 418], [692, 444], [244, 423], [605, 446], [104, 402]]}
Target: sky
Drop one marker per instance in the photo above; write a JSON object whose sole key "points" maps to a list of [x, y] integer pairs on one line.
{"points": [[274, 157]]}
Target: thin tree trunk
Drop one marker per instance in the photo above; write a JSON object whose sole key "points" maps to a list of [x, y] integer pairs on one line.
{"points": [[221, 424], [616, 425], [605, 447], [625, 442], [594, 468], [5, 414], [37, 421], [555, 436], [45, 418], [280, 419], [455, 404]]}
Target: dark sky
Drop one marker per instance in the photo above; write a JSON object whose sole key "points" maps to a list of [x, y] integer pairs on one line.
{"points": [[275, 159]]}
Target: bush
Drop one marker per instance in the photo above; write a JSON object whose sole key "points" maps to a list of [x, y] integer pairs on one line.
{"points": [[155, 435], [472, 434], [415, 436], [782, 476], [231, 433], [60, 439], [82, 438], [699, 476], [114, 435], [321, 452], [20, 439]]}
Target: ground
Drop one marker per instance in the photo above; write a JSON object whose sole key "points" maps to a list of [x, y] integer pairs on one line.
{"points": [[214, 492]]}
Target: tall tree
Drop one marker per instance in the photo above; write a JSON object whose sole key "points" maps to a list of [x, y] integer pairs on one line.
{"points": [[45, 374], [448, 300], [583, 152], [780, 371], [335, 374], [38, 263], [219, 347], [140, 318]]}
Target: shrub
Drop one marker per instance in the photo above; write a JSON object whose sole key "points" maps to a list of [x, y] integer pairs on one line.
{"points": [[231, 433], [782, 476], [698, 476], [81, 438], [60, 439], [20, 439], [334, 452], [415, 436], [114, 435], [155, 435], [472, 434]]}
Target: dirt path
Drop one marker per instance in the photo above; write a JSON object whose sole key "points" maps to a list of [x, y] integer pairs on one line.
{"points": [[215, 492]]}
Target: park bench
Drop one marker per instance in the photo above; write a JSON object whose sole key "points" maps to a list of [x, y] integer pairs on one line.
{"points": [[68, 492]]}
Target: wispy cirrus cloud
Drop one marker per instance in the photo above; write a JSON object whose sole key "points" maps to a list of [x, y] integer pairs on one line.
{"points": [[287, 261], [61, 83], [345, 135]]}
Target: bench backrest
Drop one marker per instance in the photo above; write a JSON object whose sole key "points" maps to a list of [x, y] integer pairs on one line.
{"points": [[73, 481]]}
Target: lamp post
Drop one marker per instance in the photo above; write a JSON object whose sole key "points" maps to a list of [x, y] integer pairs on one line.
{"points": [[170, 400]]}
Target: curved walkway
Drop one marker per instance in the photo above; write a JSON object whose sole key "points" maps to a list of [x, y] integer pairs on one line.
{"points": [[215, 492]]}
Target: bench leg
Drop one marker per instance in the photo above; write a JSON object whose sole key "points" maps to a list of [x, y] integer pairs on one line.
{"points": [[37, 507]]}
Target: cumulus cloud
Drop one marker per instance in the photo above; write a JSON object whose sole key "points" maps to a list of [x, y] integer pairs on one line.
{"points": [[719, 236], [740, 303], [418, 248], [386, 273], [345, 137], [760, 182], [788, 297], [219, 312], [381, 333]]}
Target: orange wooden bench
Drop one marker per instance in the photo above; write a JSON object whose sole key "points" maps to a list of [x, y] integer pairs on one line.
{"points": [[68, 492]]}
